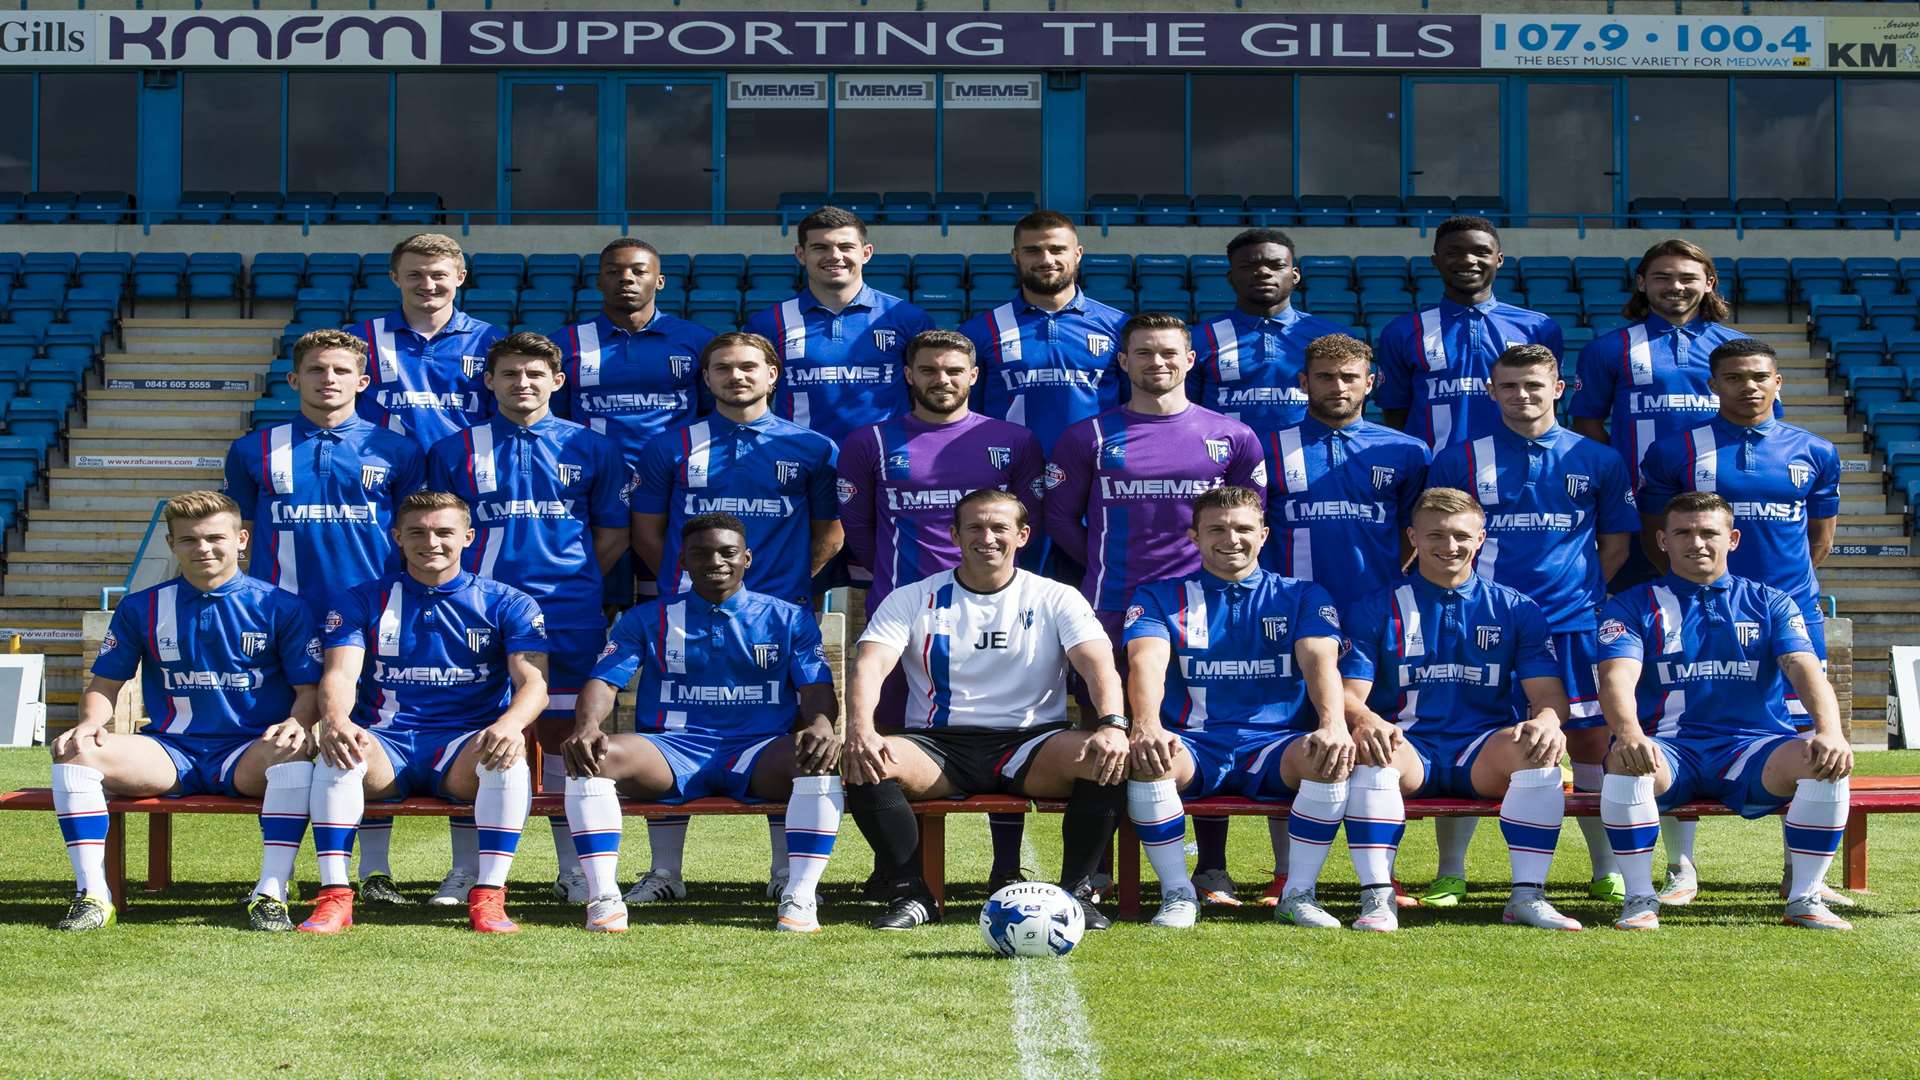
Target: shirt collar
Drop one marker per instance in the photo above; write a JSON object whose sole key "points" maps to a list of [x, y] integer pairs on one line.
{"points": [[412, 585], [1466, 591], [1683, 587], [1657, 326], [607, 326], [1548, 438], [1740, 431], [1077, 305], [460, 323], [1313, 430], [1449, 306], [1287, 317], [305, 427], [865, 298], [1214, 581], [227, 588], [731, 605], [540, 427], [766, 420]]}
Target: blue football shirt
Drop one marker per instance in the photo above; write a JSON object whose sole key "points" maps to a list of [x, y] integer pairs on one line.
{"points": [[630, 385], [1248, 366], [840, 370], [1048, 370], [1337, 501], [1649, 380], [1435, 364], [426, 389]]}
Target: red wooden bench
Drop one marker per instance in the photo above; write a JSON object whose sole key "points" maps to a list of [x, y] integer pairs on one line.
{"points": [[1871, 795]]}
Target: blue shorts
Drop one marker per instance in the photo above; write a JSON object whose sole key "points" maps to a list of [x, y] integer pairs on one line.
{"points": [[570, 658], [1727, 768], [1239, 761], [1578, 651], [203, 766], [1796, 712], [421, 756], [709, 765], [1448, 763]]}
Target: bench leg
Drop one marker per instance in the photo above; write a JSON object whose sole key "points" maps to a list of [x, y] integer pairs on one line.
{"points": [[1853, 852], [933, 855], [159, 852], [117, 858], [1126, 870]]}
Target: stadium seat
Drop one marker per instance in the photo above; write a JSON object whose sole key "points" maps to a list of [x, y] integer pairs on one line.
{"points": [[1894, 421], [1600, 272], [794, 205], [1166, 209], [103, 302], [1812, 277], [374, 267], [1763, 281], [47, 269], [781, 271], [1381, 270], [959, 207], [1832, 314], [717, 271], [22, 336], [1657, 213], [203, 207], [413, 208], [1212, 294], [360, 208], [1426, 211], [104, 269], [1859, 213], [372, 301], [1903, 350], [1203, 267], [1164, 296], [864, 205], [326, 306], [991, 272], [496, 270], [983, 300], [255, 207], [587, 303], [1219, 210], [496, 306], [48, 207], [906, 207], [942, 273], [1814, 213], [1155, 271], [708, 305], [561, 273], [1757, 213], [1338, 304], [1491, 207], [757, 300], [1894, 314], [549, 307], [306, 208], [1325, 211], [35, 307], [1376, 211], [1551, 273], [333, 270], [1712, 213], [102, 207], [37, 417], [10, 207], [214, 276], [1860, 349], [1873, 386], [1271, 211], [1873, 276]]}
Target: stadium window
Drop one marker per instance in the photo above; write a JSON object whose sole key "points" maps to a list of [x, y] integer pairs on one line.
{"points": [[1879, 142], [230, 131], [555, 148], [448, 138], [89, 131], [1136, 134], [776, 141], [1570, 150], [1456, 139], [16, 132], [1243, 134], [676, 117], [990, 133], [1783, 138], [1350, 135], [883, 132], [337, 131], [1676, 137]]}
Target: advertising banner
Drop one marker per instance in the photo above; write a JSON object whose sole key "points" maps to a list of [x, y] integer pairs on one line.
{"points": [[47, 40], [1873, 44], [1653, 43]]}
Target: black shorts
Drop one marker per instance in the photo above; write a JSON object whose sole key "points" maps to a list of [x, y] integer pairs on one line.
{"points": [[983, 760]]}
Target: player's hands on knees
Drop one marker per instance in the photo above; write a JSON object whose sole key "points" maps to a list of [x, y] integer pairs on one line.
{"points": [[1830, 756], [866, 757], [1106, 751], [342, 743], [500, 745], [1331, 752], [583, 751], [1375, 741], [78, 737], [1541, 741], [1636, 754], [816, 747], [290, 737], [1153, 750]]}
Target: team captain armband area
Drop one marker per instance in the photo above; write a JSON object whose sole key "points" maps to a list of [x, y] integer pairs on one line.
{"points": [[175, 987]]}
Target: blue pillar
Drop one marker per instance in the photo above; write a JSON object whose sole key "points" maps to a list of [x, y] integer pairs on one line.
{"points": [[1063, 143], [158, 175]]}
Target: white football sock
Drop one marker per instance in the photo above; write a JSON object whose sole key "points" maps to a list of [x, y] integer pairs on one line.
{"points": [[376, 846], [1160, 819], [466, 852], [283, 824], [553, 780], [777, 844], [337, 802], [811, 824], [80, 802], [1676, 835], [667, 841], [499, 813], [1453, 835], [1530, 817], [1816, 819], [593, 814], [1376, 820], [1277, 836], [1633, 825], [1311, 827], [1587, 777]]}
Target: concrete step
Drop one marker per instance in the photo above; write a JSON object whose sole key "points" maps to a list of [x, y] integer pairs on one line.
{"points": [[187, 395], [1856, 483], [172, 366], [1868, 568], [1847, 591], [123, 544], [1877, 524], [1883, 623], [1866, 504], [50, 522], [209, 414], [74, 480], [149, 443], [246, 347], [134, 500], [82, 586]]}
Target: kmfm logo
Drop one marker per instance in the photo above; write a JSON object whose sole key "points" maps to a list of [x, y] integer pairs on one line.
{"points": [[270, 38], [1861, 54]]}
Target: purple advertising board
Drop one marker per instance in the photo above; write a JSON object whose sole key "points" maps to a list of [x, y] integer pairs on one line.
{"points": [[845, 39]]}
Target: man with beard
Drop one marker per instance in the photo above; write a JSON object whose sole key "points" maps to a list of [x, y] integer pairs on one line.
{"points": [[899, 482]]}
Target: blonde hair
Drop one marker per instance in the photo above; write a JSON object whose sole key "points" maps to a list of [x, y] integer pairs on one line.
{"points": [[196, 505], [431, 244], [314, 341], [426, 502], [1447, 501]]}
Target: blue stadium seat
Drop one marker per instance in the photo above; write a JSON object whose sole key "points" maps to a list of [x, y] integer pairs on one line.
{"points": [[1712, 213], [780, 271], [1903, 350], [307, 208], [1008, 207], [48, 269], [1426, 211], [546, 306], [1506, 281], [1387, 269], [374, 268], [1336, 303], [959, 207], [946, 307], [1763, 281], [1726, 276], [709, 306], [1810, 213], [587, 303], [1872, 276], [1110, 209], [1894, 421], [1336, 270], [1201, 267], [496, 270], [1906, 212], [35, 307], [270, 411], [79, 337], [214, 275], [1226, 210], [372, 301], [21, 335], [1605, 302], [991, 271], [255, 207], [1596, 272], [1859, 349], [413, 208], [1271, 211], [1812, 277], [203, 207], [1858, 213], [1157, 271], [92, 298], [324, 306], [1554, 273], [333, 270], [1104, 283], [1573, 341], [104, 269], [102, 207], [1894, 314], [10, 207], [864, 205], [1164, 296], [1107, 265], [561, 273], [1871, 387], [718, 271], [38, 418], [57, 376], [48, 207], [1212, 294], [1376, 210], [496, 306], [1657, 213], [794, 205], [906, 207], [359, 207], [1325, 211], [1832, 314], [941, 273], [1757, 213], [1166, 209], [1491, 207]]}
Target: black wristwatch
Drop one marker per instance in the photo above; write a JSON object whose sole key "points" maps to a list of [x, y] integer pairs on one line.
{"points": [[1115, 721]]}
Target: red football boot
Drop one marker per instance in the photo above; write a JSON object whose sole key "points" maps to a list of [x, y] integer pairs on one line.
{"points": [[487, 910], [332, 912]]}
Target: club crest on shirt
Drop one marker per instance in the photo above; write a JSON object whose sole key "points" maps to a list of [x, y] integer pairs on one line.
{"points": [[1099, 344], [766, 655], [844, 488], [786, 472], [681, 365], [1219, 450], [1486, 636], [253, 643], [540, 624], [478, 639], [1133, 616], [1746, 633], [1382, 477], [473, 365], [1329, 613], [372, 476], [569, 474], [1611, 631], [884, 340], [1578, 485], [999, 456], [314, 652], [332, 622], [1055, 476], [1796, 623], [1026, 618], [611, 648], [110, 642], [1274, 626], [1799, 472]]}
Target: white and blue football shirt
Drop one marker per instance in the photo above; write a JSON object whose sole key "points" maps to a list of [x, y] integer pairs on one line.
{"points": [[840, 370], [1435, 364], [426, 388], [1233, 648], [217, 664], [1337, 501], [729, 669], [1048, 370], [1649, 380], [630, 385], [1248, 366]]}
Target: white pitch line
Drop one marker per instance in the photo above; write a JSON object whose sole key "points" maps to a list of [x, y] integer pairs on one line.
{"points": [[1050, 1028]]}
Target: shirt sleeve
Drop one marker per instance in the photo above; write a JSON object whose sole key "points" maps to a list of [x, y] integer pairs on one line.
{"points": [[1069, 482], [1449, 469], [892, 622], [653, 490], [1823, 498], [807, 656], [1533, 655], [1360, 647], [823, 501], [1028, 476], [120, 650], [1613, 496], [1146, 616], [1394, 390], [1249, 466], [1074, 618], [409, 472], [1548, 333], [297, 642], [916, 322], [522, 625], [1594, 379], [345, 623], [607, 508], [1317, 615], [1412, 484], [439, 466], [1621, 633], [241, 487], [1787, 624], [1660, 478], [854, 487], [627, 647]]}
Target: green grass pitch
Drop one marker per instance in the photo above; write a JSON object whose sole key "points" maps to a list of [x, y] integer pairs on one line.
{"points": [[704, 988]]}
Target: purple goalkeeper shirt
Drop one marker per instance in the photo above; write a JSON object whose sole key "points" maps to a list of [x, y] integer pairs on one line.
{"points": [[1120, 490], [900, 480]]}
